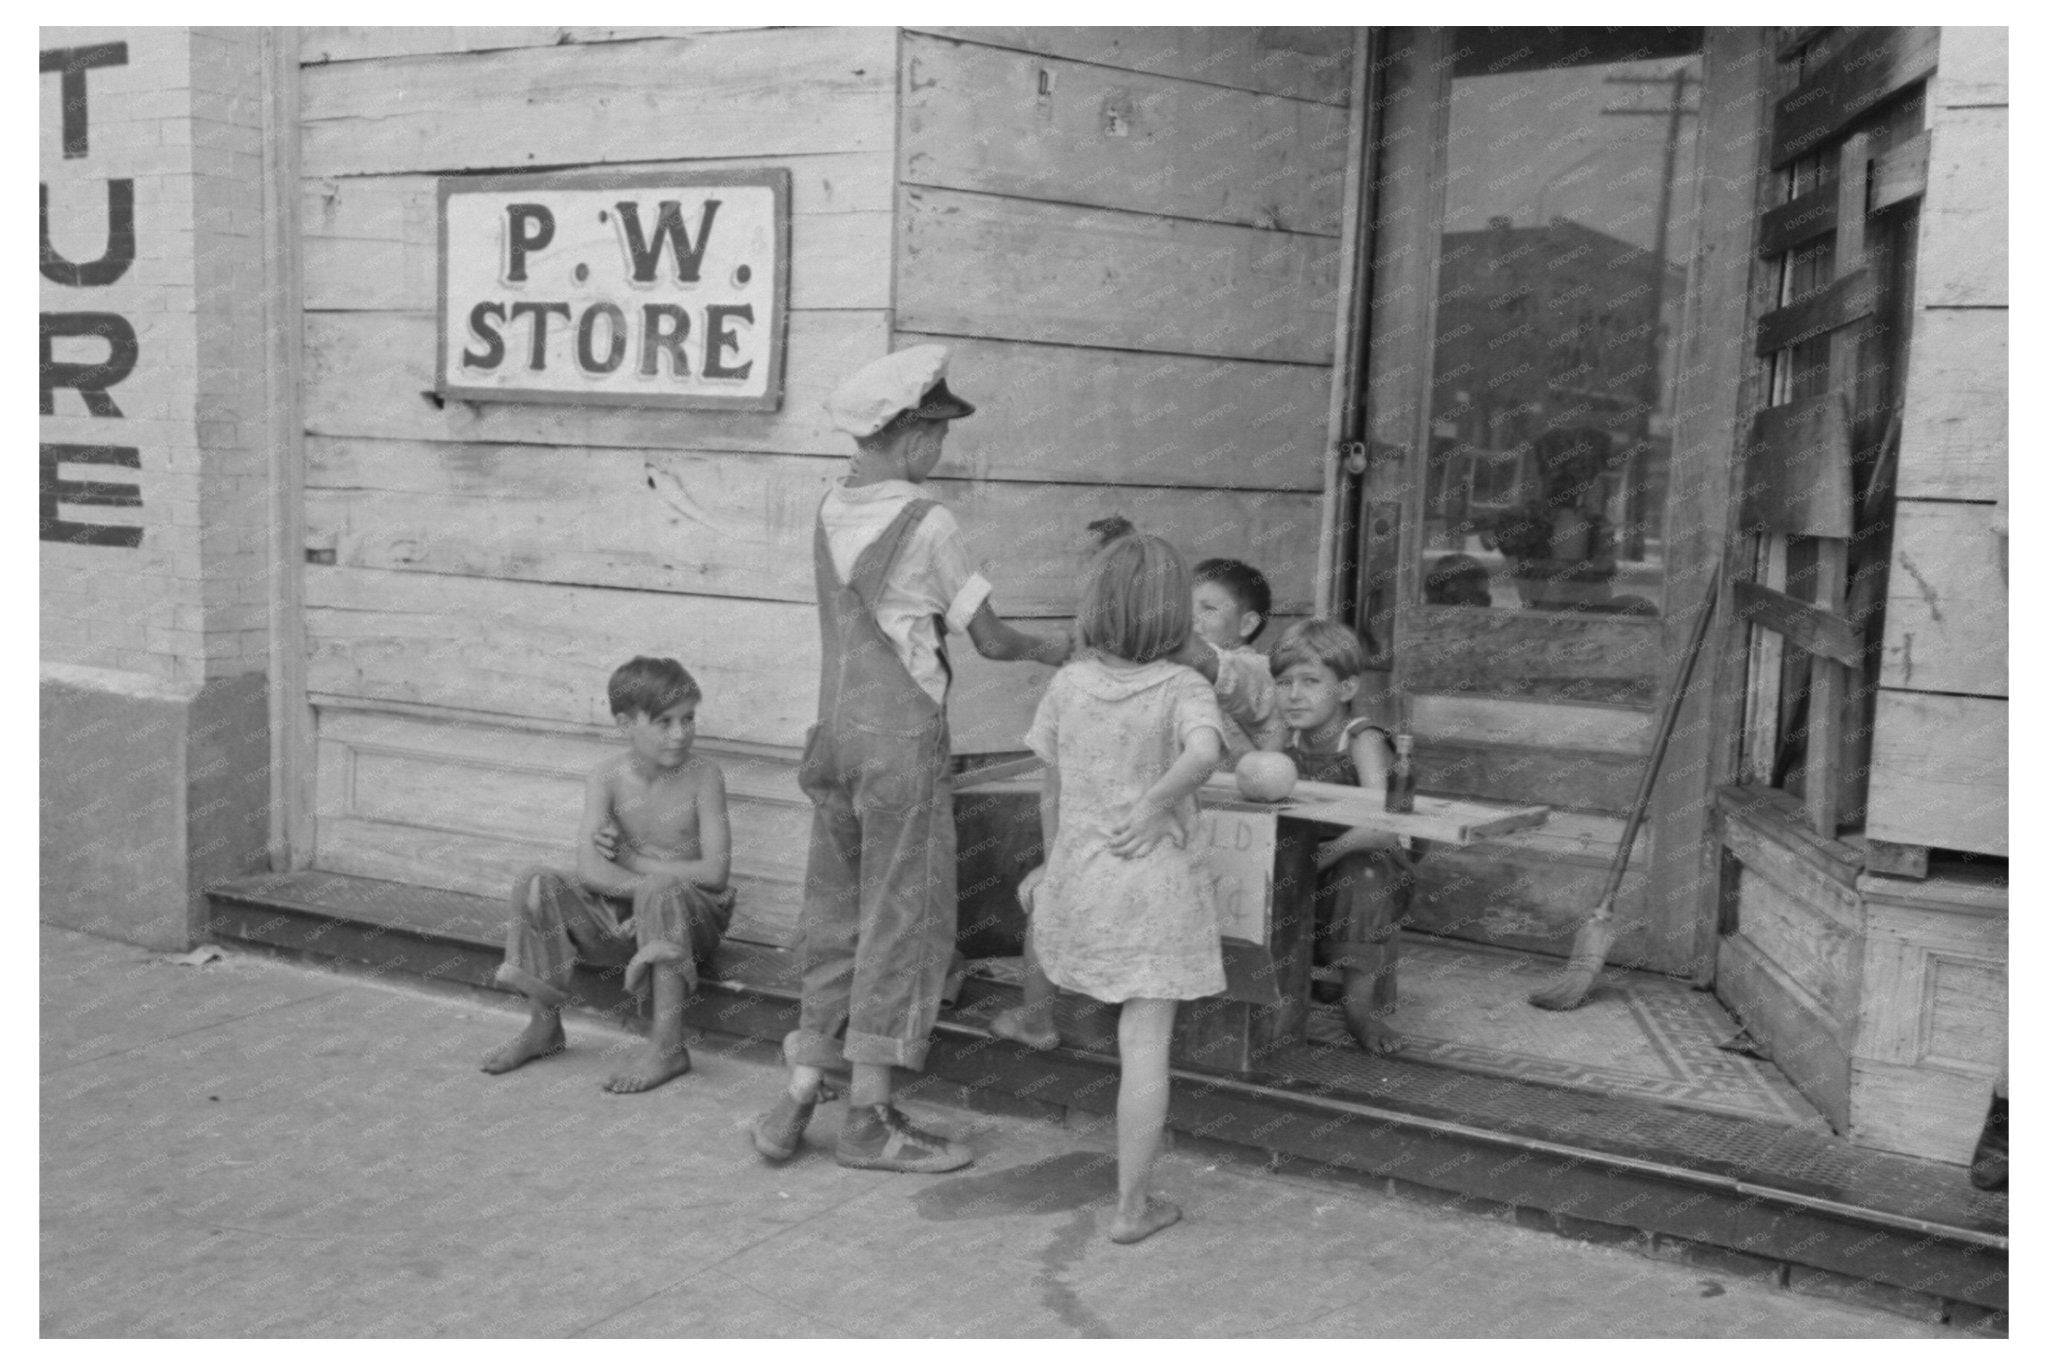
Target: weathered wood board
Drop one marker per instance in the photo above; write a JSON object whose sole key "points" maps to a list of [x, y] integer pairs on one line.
{"points": [[342, 44], [1953, 441], [1802, 1039], [980, 265], [1304, 63], [1591, 780], [1495, 720], [1083, 134], [778, 92], [1613, 660], [670, 521], [1080, 414], [1938, 773], [1532, 904], [1945, 617], [371, 243], [1962, 256], [372, 374], [1805, 943]]}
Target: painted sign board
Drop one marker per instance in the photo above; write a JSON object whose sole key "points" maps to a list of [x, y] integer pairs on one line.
{"points": [[654, 289]]}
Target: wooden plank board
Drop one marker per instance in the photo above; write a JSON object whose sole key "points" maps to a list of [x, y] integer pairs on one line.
{"points": [[1569, 779], [1798, 1034], [1936, 990], [1916, 1111], [1436, 818], [1304, 63], [541, 651], [780, 92], [1973, 71], [1938, 771], [1953, 443], [980, 265], [1805, 943], [344, 44], [1614, 660], [1962, 257], [1471, 894], [1862, 73], [1795, 469], [371, 243], [731, 526], [996, 121], [1494, 720], [1945, 617], [370, 374], [1080, 414], [1850, 298], [1811, 628], [1897, 174]]}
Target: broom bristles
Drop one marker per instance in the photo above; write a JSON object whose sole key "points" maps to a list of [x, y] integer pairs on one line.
{"points": [[1568, 990]]}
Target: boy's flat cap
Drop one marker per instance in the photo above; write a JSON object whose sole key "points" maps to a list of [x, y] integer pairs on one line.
{"points": [[911, 380]]}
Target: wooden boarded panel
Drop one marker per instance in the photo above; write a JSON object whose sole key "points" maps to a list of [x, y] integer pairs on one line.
{"points": [[1568, 779], [465, 807], [540, 651], [668, 521], [1306, 63], [1849, 299], [1490, 720], [1084, 134], [1962, 257], [1811, 628], [1953, 441], [781, 92], [1795, 1031], [1937, 989], [1945, 616], [371, 243], [1536, 905], [372, 374], [977, 265], [1617, 661], [1871, 67], [1805, 944], [1075, 414], [1795, 470], [1897, 174], [1938, 772], [343, 44]]}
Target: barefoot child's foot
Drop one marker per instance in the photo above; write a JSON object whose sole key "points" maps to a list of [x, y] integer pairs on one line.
{"points": [[540, 1038], [653, 1068], [1127, 1228], [1371, 1035], [1019, 1026]]}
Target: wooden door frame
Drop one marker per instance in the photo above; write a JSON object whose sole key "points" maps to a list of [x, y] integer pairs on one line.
{"points": [[1398, 259]]}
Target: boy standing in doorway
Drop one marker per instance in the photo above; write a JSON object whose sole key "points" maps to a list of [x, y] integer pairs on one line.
{"points": [[877, 931]]}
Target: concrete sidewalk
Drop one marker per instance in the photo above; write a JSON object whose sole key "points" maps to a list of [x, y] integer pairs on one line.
{"points": [[252, 1148]]}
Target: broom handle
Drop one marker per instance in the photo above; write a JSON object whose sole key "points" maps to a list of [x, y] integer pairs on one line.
{"points": [[1667, 720]]}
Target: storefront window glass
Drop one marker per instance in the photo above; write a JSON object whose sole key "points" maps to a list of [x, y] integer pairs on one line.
{"points": [[1569, 218]]}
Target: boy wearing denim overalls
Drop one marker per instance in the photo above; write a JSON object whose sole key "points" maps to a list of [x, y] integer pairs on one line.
{"points": [[877, 931]]}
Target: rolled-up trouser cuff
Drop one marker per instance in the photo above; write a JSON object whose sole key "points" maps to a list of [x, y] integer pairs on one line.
{"points": [[806, 1047]]}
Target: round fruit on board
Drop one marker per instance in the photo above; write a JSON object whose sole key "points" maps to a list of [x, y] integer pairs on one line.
{"points": [[1265, 776]]}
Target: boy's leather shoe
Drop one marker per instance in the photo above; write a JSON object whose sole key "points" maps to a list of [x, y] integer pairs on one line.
{"points": [[881, 1139], [779, 1132]]}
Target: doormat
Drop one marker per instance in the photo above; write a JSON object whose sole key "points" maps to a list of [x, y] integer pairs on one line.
{"points": [[1466, 1006]]}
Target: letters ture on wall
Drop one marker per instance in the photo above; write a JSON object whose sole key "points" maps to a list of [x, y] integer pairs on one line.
{"points": [[658, 290], [87, 330]]}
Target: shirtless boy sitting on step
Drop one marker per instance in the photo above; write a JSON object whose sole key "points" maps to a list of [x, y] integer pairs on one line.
{"points": [[648, 892]]}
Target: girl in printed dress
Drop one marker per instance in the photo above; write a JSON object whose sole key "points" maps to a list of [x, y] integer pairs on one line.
{"points": [[1123, 912]]}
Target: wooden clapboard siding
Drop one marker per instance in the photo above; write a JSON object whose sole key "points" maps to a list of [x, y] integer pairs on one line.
{"points": [[543, 652], [779, 92], [371, 243], [990, 266], [1304, 63], [1555, 656], [1963, 253], [371, 374], [1082, 414], [342, 44], [1938, 771], [1953, 441], [1945, 620], [466, 806], [1085, 134], [706, 523]]}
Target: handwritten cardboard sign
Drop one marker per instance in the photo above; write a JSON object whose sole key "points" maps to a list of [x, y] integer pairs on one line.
{"points": [[644, 289], [1235, 848]]}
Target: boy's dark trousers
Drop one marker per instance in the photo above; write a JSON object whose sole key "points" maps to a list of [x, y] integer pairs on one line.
{"points": [[876, 936], [1361, 902]]}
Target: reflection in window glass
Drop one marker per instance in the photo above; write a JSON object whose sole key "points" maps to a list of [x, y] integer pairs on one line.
{"points": [[1569, 217]]}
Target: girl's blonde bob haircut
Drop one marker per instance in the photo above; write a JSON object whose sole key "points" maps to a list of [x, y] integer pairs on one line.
{"points": [[1134, 603]]}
